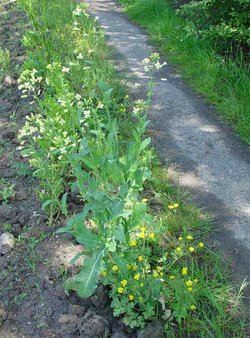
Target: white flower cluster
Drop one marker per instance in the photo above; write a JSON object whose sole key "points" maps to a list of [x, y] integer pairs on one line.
{"points": [[153, 63], [28, 82]]}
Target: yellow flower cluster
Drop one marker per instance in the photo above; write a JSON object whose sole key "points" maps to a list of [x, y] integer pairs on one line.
{"points": [[173, 206]]}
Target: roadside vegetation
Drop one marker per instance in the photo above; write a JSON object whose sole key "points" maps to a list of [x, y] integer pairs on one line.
{"points": [[209, 41], [141, 238]]}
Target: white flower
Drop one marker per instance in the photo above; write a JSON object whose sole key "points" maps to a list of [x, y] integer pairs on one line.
{"points": [[80, 56], [65, 69]]}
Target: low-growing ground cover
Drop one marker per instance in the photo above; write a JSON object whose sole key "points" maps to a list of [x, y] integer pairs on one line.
{"points": [[224, 81], [86, 141]]}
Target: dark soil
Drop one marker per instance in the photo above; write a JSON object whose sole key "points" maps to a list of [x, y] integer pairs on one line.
{"points": [[32, 300]]}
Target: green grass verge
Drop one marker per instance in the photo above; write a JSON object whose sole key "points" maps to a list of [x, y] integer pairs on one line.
{"points": [[223, 83]]}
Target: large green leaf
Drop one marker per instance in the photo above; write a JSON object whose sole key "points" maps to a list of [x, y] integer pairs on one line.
{"points": [[138, 214], [85, 282]]}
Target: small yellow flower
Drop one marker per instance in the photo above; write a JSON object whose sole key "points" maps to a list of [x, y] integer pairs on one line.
{"points": [[159, 268], [130, 297], [189, 237], [120, 290], [104, 273], [143, 229], [155, 274], [192, 307], [124, 282], [128, 266], [184, 271], [142, 235], [171, 277], [133, 242], [144, 200], [189, 283], [134, 267], [115, 268], [161, 273], [195, 280], [190, 289], [151, 235], [141, 285], [173, 206], [180, 239], [191, 249], [201, 245], [137, 276], [140, 258], [178, 249]]}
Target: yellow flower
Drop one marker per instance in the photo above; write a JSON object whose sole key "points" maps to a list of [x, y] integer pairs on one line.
{"points": [[151, 235], [173, 206], [140, 258], [184, 271], [201, 245], [144, 200], [178, 249], [180, 239], [124, 282], [130, 297], [115, 268], [120, 290], [195, 280], [161, 273], [104, 273], [191, 249], [134, 267], [137, 276], [155, 274], [128, 266], [189, 283], [159, 268], [141, 285], [133, 242], [142, 235], [190, 289], [143, 229], [192, 307], [189, 237], [171, 277]]}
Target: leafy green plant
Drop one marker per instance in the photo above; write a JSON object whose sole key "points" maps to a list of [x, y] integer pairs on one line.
{"points": [[5, 62], [6, 191], [84, 136]]}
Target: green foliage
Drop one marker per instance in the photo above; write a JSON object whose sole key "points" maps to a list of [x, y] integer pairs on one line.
{"points": [[224, 23], [5, 62], [223, 81], [6, 191], [85, 137]]}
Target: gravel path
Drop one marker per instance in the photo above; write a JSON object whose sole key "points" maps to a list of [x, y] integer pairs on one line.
{"points": [[205, 156]]}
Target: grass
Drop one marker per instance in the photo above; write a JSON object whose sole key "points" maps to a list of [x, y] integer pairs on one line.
{"points": [[74, 81], [226, 84]]}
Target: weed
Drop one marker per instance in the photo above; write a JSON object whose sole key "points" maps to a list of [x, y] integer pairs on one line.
{"points": [[6, 191], [5, 63], [86, 136]]}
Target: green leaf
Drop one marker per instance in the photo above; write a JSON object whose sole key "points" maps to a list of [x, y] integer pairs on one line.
{"points": [[85, 282], [138, 214], [46, 204], [64, 204], [119, 234], [145, 143], [88, 239]]}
